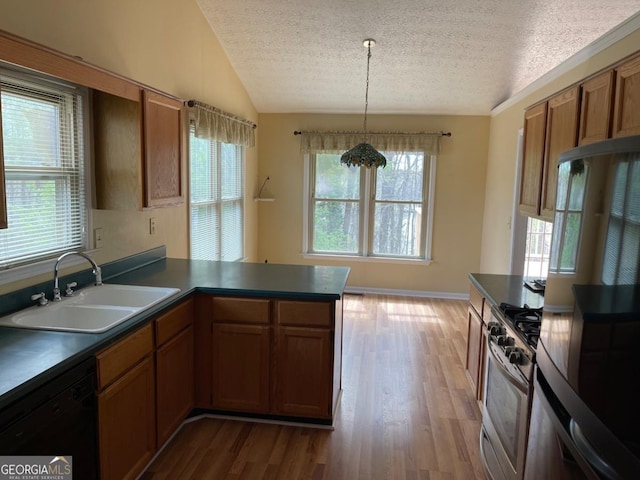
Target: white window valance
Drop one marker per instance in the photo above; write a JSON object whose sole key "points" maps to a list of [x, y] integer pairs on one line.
{"points": [[338, 142], [215, 124]]}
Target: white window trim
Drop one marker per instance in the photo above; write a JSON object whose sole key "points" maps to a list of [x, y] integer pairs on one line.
{"points": [[41, 267], [427, 223]]}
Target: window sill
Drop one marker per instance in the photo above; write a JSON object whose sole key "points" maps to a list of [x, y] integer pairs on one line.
{"points": [[42, 267], [358, 258]]}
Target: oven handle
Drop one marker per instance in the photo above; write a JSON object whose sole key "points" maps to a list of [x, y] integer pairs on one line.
{"points": [[523, 388]]}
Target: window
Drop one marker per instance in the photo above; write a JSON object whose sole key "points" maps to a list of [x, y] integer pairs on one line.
{"points": [[537, 249], [43, 135], [217, 199], [370, 212], [621, 250], [572, 178]]}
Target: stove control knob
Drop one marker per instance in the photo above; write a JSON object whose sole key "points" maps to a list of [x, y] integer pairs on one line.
{"points": [[495, 329], [505, 341], [515, 356]]}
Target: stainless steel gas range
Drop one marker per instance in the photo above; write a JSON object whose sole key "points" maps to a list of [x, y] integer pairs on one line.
{"points": [[511, 339]]}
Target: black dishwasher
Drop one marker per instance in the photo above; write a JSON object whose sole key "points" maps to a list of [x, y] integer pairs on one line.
{"points": [[58, 418]]}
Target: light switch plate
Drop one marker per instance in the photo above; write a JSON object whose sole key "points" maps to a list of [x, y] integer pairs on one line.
{"points": [[152, 226], [97, 238]]}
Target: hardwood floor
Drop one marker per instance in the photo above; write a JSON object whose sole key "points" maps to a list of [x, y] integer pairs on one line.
{"points": [[407, 409]]}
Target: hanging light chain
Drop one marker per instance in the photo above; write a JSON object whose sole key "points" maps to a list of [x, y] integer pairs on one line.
{"points": [[369, 42]]}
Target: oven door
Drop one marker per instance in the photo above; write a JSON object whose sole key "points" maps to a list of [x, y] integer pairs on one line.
{"points": [[505, 416]]}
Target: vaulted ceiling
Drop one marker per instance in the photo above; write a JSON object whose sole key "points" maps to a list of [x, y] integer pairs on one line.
{"points": [[448, 57]]}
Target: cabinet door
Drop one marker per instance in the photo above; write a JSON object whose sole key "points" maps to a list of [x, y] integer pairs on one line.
{"points": [[117, 147], [535, 122], [303, 372], [3, 196], [595, 109], [126, 423], [561, 132], [474, 351], [174, 383], [626, 119], [162, 149], [241, 356]]}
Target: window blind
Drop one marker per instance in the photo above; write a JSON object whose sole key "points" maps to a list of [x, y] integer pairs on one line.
{"points": [[44, 170], [622, 245], [217, 199]]}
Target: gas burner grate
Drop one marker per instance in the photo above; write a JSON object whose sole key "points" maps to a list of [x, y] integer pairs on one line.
{"points": [[525, 319]]}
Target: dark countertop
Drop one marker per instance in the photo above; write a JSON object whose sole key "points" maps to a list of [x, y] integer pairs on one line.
{"points": [[608, 303], [29, 358], [506, 288]]}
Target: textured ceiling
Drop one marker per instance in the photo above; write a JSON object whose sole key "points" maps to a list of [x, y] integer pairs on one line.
{"points": [[453, 56]]}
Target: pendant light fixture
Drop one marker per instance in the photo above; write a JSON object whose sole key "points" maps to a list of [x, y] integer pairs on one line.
{"points": [[364, 154]]}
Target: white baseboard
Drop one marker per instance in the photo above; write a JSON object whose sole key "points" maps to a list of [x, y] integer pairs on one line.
{"points": [[406, 293]]}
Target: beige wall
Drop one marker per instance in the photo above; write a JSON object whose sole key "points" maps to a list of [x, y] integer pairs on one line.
{"points": [[501, 171], [169, 45], [459, 198], [166, 44]]}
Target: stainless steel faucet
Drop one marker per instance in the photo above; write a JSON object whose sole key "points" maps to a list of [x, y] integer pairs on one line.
{"points": [[96, 271]]}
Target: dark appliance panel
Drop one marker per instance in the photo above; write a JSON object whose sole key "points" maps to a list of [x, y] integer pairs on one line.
{"points": [[590, 331]]}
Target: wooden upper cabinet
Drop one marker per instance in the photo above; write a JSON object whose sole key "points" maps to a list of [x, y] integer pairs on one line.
{"points": [[138, 146], [162, 149], [561, 131], [535, 123], [117, 130], [550, 128], [3, 195], [595, 109], [626, 118]]}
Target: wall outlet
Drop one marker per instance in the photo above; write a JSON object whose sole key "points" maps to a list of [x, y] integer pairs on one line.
{"points": [[152, 226], [97, 238]]}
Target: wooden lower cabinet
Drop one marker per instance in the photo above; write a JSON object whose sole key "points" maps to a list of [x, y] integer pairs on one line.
{"points": [[127, 423], [274, 357], [174, 383], [474, 351], [145, 391], [303, 373], [240, 373]]}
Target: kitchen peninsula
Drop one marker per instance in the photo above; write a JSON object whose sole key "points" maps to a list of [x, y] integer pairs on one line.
{"points": [[252, 339]]}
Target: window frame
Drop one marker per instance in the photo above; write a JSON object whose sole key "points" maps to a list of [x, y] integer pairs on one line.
{"points": [[219, 203], [367, 203], [28, 269]]}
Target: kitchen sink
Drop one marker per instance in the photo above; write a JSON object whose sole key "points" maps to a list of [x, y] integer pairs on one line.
{"points": [[93, 309], [120, 295]]}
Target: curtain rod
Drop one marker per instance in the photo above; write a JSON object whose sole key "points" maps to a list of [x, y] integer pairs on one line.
{"points": [[441, 134], [194, 103]]}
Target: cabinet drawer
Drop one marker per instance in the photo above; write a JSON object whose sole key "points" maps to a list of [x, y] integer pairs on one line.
{"points": [[310, 314], [116, 359], [240, 310], [173, 321], [476, 300]]}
